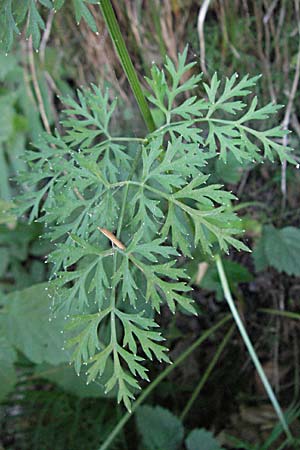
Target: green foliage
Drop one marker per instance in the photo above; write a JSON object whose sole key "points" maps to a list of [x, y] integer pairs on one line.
{"points": [[81, 11], [200, 438], [230, 171], [121, 215], [54, 419], [41, 340], [8, 375], [19, 243], [6, 216], [278, 248], [236, 273], [14, 14], [64, 376], [275, 436], [20, 120], [159, 428]]}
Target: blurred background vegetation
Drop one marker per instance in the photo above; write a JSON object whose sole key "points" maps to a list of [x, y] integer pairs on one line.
{"points": [[43, 404]]}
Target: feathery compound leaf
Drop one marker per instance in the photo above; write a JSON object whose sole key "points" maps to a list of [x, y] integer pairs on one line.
{"points": [[223, 134], [121, 215], [137, 330], [165, 93], [82, 11], [236, 135], [8, 26], [15, 14]]}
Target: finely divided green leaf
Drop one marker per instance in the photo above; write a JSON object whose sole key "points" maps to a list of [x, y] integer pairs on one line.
{"points": [[122, 216]]}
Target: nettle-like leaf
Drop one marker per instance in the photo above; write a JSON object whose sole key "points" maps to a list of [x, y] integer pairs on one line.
{"points": [[14, 14], [201, 438], [159, 428], [278, 248], [121, 215]]}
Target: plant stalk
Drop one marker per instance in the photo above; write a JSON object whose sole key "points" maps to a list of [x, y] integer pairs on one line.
{"points": [[250, 347], [121, 50]]}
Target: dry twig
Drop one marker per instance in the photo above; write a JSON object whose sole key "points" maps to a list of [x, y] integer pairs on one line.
{"points": [[200, 27], [37, 87], [288, 111]]}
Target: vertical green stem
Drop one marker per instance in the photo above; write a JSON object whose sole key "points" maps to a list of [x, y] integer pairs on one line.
{"points": [[121, 50], [250, 347]]}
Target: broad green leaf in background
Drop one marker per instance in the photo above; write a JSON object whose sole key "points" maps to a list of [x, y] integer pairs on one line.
{"points": [[7, 64], [19, 121], [17, 240], [159, 428], [65, 377], [278, 248], [236, 273], [7, 114], [19, 243], [8, 375], [27, 326], [6, 216], [200, 439], [4, 260], [229, 171]]}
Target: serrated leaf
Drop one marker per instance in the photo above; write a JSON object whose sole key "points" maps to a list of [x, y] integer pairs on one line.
{"points": [[201, 439], [279, 248], [82, 11], [35, 24], [159, 428], [14, 15], [165, 93]]}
